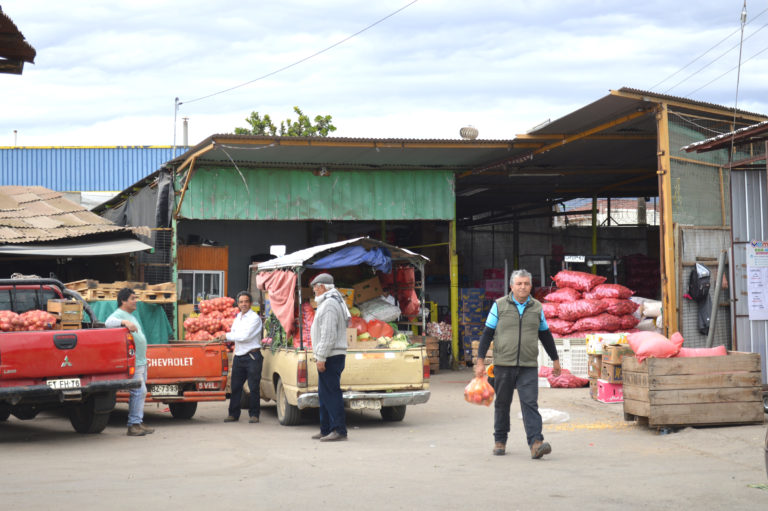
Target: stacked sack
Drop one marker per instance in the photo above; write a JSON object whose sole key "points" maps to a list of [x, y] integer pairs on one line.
{"points": [[584, 304], [215, 319]]}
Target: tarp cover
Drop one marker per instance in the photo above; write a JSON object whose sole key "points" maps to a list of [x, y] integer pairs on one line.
{"points": [[153, 320], [84, 248], [378, 257]]}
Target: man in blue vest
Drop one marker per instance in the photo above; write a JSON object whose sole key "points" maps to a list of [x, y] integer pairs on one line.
{"points": [[515, 324]]}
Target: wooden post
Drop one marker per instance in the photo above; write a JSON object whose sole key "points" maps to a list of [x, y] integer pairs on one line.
{"points": [[666, 226]]}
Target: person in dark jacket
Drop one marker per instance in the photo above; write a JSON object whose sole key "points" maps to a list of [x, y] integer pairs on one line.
{"points": [[516, 324]]}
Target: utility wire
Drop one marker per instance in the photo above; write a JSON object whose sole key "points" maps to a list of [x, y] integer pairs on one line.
{"points": [[305, 58], [725, 73], [738, 45], [703, 54]]}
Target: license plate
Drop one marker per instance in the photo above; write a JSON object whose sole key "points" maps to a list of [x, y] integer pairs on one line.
{"points": [[371, 404], [164, 390], [68, 383]]}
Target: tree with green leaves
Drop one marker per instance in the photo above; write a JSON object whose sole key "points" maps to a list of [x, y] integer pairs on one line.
{"points": [[302, 127]]}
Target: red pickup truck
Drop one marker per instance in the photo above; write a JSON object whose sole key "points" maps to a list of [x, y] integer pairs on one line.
{"points": [[77, 370]]}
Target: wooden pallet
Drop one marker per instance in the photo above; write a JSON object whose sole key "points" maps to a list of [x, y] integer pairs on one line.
{"points": [[698, 391], [98, 294], [147, 296], [82, 285]]}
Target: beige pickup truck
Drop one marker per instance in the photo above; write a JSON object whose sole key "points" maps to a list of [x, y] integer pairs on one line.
{"points": [[381, 379], [375, 379]]}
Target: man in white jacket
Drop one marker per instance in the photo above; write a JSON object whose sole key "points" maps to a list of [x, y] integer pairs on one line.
{"points": [[247, 362], [329, 341]]}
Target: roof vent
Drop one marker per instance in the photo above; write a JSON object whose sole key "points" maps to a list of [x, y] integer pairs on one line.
{"points": [[468, 132]]}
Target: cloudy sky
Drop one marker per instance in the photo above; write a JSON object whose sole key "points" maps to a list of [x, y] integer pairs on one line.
{"points": [[107, 73]]}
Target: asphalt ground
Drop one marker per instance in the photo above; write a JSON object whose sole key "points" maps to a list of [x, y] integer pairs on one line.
{"points": [[439, 457]]}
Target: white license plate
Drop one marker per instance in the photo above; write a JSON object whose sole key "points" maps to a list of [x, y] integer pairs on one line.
{"points": [[68, 383], [371, 404], [164, 390]]}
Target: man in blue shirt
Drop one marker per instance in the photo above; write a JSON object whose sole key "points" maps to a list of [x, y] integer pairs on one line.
{"points": [[515, 324]]}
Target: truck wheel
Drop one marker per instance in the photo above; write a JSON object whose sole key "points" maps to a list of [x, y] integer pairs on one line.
{"points": [[86, 420], [287, 414], [183, 411], [4, 414], [393, 413]]}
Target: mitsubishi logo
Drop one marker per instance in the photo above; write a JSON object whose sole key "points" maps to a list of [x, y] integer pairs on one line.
{"points": [[66, 362]]}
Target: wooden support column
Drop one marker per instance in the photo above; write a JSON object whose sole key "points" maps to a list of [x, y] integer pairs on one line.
{"points": [[666, 226]]}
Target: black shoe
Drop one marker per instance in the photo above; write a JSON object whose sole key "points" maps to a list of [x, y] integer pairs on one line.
{"points": [[231, 419], [333, 436]]}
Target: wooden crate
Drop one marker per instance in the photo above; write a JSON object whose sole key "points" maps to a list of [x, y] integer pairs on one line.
{"points": [[165, 286], [66, 311], [698, 391]]}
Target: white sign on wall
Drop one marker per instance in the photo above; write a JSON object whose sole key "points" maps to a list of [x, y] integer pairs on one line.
{"points": [[757, 280]]}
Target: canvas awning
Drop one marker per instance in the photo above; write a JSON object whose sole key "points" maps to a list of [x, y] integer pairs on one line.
{"points": [[81, 249]]}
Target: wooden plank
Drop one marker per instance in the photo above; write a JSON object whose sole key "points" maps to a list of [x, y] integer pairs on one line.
{"points": [[634, 377], [636, 393], [700, 414], [733, 362], [704, 396], [634, 407], [704, 381]]}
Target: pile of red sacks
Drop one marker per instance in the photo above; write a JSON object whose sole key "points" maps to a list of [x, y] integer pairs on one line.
{"points": [[215, 319], [584, 304]]}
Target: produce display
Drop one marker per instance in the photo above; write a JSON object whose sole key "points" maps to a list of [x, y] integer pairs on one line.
{"points": [[30, 320], [215, 319]]}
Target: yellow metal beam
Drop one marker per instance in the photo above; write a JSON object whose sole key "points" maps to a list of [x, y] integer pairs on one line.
{"points": [[453, 260], [186, 184], [690, 106], [697, 162], [667, 230], [604, 136]]}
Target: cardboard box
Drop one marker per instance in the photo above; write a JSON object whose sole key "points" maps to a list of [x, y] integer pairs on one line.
{"points": [[593, 388], [351, 336], [594, 366], [615, 353], [66, 311], [354, 344], [348, 294], [609, 392], [493, 286], [185, 311], [610, 372], [367, 290]]}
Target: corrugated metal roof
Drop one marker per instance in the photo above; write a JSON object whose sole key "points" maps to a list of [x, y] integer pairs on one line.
{"points": [[14, 50], [757, 131], [81, 169], [34, 214]]}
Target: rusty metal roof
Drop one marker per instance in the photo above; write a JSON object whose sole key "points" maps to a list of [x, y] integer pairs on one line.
{"points": [[14, 50], [757, 131], [35, 214]]}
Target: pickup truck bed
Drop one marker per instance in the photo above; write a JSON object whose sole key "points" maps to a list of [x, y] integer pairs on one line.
{"points": [[182, 374]]}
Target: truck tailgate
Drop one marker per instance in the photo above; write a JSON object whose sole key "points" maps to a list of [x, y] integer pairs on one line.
{"points": [[40, 354], [181, 361], [382, 368]]}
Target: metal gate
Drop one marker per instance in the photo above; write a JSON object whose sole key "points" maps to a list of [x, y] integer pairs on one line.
{"points": [[749, 220]]}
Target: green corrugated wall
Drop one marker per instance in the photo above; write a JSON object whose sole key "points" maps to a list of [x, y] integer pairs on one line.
{"points": [[220, 193]]}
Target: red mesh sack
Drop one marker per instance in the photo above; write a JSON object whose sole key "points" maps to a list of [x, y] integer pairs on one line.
{"points": [[378, 328], [566, 380], [628, 322], [565, 294], [651, 344], [610, 291], [560, 326], [717, 351], [572, 311], [577, 280], [358, 323], [550, 309], [619, 307], [601, 323], [540, 293]]}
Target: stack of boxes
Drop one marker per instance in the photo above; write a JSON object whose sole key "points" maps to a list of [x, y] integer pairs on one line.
{"points": [[471, 318], [604, 368], [69, 313], [488, 356], [493, 284]]}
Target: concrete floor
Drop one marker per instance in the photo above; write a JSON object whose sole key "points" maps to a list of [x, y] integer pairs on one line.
{"points": [[439, 457]]}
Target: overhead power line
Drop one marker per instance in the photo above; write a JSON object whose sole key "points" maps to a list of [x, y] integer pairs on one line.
{"points": [[272, 73], [705, 53]]}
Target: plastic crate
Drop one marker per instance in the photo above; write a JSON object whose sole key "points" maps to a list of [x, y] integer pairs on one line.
{"points": [[572, 354]]}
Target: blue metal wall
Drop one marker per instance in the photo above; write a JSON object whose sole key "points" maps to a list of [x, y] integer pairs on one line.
{"points": [[81, 169]]}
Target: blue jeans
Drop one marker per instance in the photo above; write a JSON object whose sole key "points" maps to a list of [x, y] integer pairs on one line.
{"points": [[246, 367], [331, 398], [137, 397], [526, 381]]}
